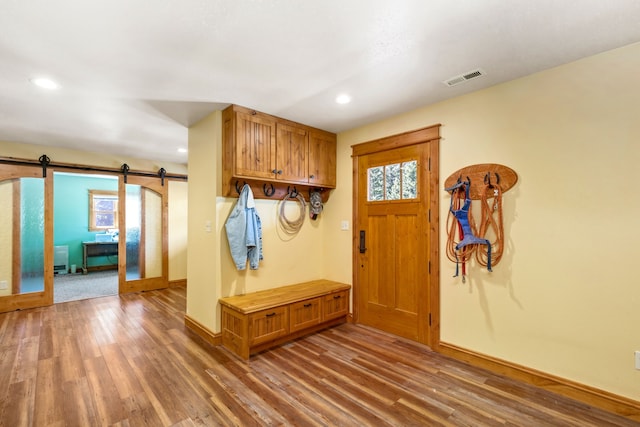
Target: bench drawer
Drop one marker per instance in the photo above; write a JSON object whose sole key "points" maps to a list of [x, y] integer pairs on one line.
{"points": [[336, 305], [304, 314], [267, 325]]}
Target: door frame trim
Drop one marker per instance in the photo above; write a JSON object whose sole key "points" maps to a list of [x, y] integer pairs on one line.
{"points": [[430, 135]]}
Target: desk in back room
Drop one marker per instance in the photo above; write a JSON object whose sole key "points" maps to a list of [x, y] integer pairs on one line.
{"points": [[95, 249]]}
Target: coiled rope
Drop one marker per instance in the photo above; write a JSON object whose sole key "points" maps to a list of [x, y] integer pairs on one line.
{"points": [[292, 226]]}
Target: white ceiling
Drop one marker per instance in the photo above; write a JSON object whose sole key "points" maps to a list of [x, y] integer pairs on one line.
{"points": [[134, 74]]}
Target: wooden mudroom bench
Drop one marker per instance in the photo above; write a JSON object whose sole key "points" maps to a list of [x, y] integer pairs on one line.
{"points": [[256, 321]]}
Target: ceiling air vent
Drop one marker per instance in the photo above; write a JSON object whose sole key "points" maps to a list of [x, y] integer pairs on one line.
{"points": [[453, 81]]}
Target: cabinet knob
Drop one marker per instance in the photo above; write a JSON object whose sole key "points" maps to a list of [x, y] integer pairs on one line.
{"points": [[280, 172], [274, 171], [312, 176]]}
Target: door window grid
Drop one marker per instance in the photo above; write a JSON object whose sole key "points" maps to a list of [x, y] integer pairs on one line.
{"points": [[397, 181]]}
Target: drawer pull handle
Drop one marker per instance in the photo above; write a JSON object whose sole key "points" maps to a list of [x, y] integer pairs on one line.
{"points": [[337, 296], [270, 314], [307, 305]]}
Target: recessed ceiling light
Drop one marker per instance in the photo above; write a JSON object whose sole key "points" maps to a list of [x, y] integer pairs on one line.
{"points": [[182, 150], [343, 99], [45, 83]]}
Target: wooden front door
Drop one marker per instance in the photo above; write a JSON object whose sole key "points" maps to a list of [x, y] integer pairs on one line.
{"points": [[395, 225]]}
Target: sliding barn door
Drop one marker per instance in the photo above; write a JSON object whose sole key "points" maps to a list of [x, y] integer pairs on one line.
{"points": [[26, 235], [143, 252]]}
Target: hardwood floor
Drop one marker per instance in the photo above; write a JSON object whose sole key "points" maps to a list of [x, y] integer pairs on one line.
{"points": [[129, 361]]}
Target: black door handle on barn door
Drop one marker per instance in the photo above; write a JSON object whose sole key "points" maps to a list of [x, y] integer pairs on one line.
{"points": [[363, 247]]}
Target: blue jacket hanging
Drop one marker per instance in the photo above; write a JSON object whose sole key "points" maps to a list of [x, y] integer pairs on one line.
{"points": [[244, 231]]}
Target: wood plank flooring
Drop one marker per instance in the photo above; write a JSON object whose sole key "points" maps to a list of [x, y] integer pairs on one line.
{"points": [[129, 361]]}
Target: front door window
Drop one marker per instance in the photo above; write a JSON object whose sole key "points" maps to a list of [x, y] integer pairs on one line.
{"points": [[396, 181]]}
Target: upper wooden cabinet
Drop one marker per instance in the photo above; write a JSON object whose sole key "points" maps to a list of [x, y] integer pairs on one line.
{"points": [[254, 150], [292, 153], [322, 158], [258, 146]]}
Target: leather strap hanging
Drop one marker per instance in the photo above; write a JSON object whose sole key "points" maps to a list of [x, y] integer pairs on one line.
{"points": [[456, 252], [491, 223]]}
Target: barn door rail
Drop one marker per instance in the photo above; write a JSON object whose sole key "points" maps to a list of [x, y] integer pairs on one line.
{"points": [[45, 163]]}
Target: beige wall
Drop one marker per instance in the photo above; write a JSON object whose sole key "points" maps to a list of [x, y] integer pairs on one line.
{"points": [[565, 298], [177, 189], [203, 255], [178, 209], [287, 259]]}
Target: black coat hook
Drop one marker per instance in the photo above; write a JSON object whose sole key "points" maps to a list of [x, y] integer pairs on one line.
{"points": [[238, 188], [487, 180], [268, 191]]}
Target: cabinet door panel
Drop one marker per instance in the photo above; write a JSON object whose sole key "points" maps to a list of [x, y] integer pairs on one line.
{"points": [[292, 149], [322, 159], [255, 146], [336, 305], [304, 314], [234, 335], [267, 325]]}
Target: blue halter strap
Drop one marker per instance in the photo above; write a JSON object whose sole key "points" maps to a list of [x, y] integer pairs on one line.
{"points": [[462, 215]]}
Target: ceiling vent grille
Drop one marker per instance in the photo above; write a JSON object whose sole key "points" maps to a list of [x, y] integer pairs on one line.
{"points": [[453, 81]]}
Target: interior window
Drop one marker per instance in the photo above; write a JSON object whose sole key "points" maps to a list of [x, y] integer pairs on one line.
{"points": [[397, 181], [103, 210]]}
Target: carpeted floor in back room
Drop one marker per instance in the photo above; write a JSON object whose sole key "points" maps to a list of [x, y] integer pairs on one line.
{"points": [[72, 287]]}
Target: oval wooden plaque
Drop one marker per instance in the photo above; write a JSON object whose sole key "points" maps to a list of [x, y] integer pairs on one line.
{"points": [[477, 174]]}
